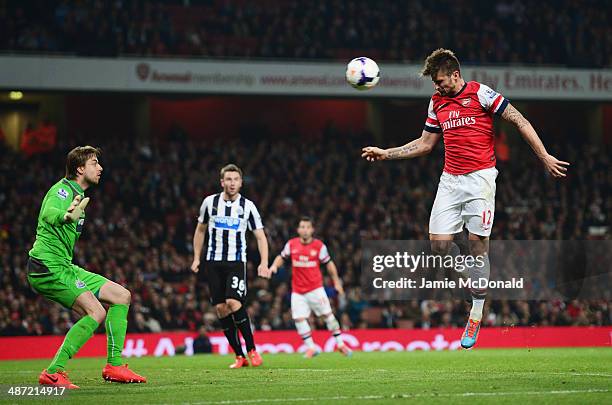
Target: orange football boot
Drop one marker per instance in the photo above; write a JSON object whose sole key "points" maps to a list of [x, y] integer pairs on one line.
{"points": [[121, 374], [255, 358], [57, 379], [240, 361]]}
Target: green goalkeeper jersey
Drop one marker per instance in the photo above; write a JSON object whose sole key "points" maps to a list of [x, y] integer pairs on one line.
{"points": [[55, 239]]}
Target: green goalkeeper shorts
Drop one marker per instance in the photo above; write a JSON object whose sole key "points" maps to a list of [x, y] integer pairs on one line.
{"points": [[63, 284]]}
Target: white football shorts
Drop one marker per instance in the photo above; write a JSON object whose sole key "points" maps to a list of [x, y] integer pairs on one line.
{"points": [[315, 300], [464, 200]]}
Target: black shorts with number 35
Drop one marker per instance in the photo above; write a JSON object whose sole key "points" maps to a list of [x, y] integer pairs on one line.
{"points": [[226, 280]]}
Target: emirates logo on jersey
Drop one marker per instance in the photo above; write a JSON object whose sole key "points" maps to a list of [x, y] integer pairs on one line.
{"points": [[455, 121], [465, 102], [304, 261]]}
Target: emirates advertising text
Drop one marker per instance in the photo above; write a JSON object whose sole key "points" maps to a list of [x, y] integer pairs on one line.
{"points": [[502, 269]]}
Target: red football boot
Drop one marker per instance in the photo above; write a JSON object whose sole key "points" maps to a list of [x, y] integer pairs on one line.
{"points": [[256, 359], [240, 361], [121, 374], [57, 379]]}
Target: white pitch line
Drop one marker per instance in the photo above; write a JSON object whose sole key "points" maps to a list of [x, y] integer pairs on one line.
{"points": [[582, 374], [400, 396]]}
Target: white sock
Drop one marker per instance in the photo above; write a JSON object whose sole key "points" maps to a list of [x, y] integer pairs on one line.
{"points": [[334, 327], [477, 307], [303, 329]]}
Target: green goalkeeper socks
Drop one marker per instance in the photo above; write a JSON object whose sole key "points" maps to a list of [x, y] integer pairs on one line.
{"points": [[116, 327], [76, 337]]}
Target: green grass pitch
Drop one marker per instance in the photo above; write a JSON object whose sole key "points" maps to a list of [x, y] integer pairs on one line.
{"points": [[555, 376]]}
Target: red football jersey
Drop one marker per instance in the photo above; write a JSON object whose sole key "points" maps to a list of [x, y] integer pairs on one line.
{"points": [[305, 263], [466, 123]]}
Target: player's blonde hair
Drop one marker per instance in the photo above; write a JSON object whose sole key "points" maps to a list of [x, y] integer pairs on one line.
{"points": [[77, 157], [230, 168], [443, 60]]}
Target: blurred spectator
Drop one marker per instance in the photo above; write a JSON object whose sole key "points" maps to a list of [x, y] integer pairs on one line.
{"points": [[502, 149], [201, 344], [2, 140], [550, 32], [142, 238], [15, 327], [39, 140]]}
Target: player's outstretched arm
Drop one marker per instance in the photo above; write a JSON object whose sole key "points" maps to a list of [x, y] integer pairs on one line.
{"points": [[262, 246], [554, 166], [56, 208], [278, 261], [74, 212], [418, 147], [198, 242], [333, 273], [56, 213]]}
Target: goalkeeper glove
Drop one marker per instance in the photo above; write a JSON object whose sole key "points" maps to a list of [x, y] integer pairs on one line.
{"points": [[76, 209]]}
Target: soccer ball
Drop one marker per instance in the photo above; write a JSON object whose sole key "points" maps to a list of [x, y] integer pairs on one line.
{"points": [[362, 73]]}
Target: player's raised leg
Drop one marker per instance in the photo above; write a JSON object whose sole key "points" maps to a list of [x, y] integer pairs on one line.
{"points": [[479, 246], [118, 299], [446, 218], [478, 213], [76, 337]]}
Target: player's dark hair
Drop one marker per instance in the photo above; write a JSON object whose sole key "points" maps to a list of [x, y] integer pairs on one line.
{"points": [[440, 60], [230, 168], [77, 157], [306, 218]]}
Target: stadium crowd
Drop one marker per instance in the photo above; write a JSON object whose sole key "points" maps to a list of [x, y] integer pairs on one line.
{"points": [[140, 224], [573, 33]]}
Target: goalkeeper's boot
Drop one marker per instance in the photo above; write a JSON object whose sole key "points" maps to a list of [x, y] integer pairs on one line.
{"points": [[311, 352], [255, 358], [121, 374], [344, 349], [240, 361], [470, 334], [57, 379]]}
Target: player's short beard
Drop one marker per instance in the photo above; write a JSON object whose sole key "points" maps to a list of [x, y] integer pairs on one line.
{"points": [[306, 237], [92, 181], [229, 194], [444, 92]]}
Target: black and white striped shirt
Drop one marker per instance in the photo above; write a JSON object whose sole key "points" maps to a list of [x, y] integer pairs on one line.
{"points": [[228, 222]]}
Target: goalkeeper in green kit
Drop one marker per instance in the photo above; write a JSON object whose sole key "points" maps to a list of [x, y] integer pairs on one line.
{"points": [[52, 274]]}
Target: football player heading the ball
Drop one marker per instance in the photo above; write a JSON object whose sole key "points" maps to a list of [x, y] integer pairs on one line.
{"points": [[462, 112]]}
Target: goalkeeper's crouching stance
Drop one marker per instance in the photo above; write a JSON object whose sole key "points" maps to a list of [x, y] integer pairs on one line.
{"points": [[52, 274]]}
